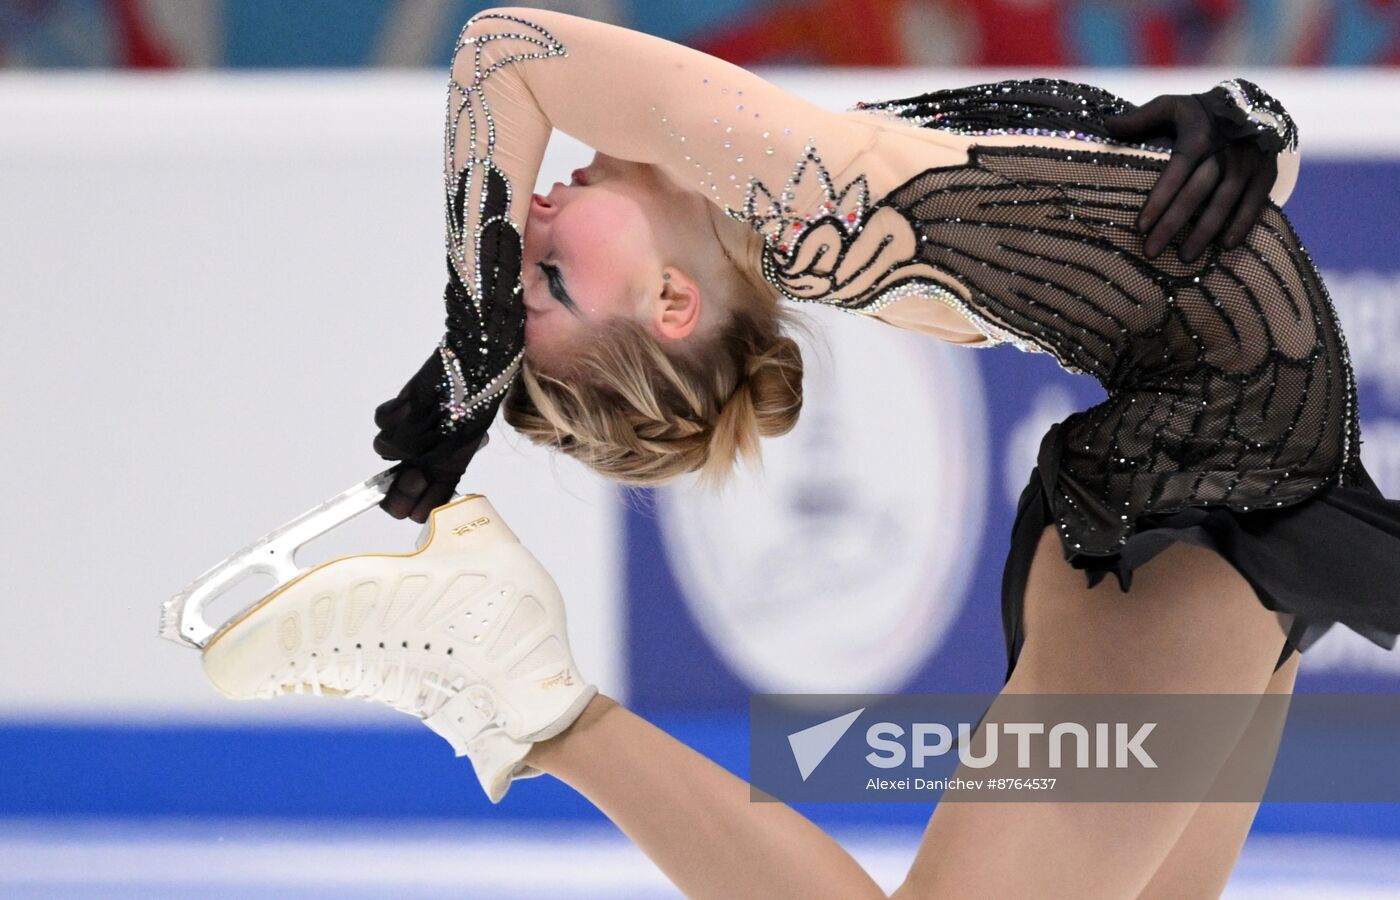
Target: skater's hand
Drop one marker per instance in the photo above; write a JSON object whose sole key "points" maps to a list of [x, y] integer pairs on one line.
{"points": [[418, 490], [1217, 170], [433, 462]]}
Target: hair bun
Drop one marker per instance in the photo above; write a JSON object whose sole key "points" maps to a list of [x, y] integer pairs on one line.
{"points": [[775, 387], [634, 413]]}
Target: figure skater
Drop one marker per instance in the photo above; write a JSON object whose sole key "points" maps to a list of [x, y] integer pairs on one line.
{"points": [[633, 320]]}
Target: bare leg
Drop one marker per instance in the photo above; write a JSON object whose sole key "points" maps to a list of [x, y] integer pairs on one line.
{"points": [[1204, 856], [1191, 624], [694, 819]]}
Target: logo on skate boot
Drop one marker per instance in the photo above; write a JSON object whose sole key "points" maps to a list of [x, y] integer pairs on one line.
{"points": [[471, 526], [563, 678]]}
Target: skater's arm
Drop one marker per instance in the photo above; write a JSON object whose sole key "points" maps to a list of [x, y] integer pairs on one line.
{"points": [[694, 819], [517, 74], [717, 128], [711, 125]]}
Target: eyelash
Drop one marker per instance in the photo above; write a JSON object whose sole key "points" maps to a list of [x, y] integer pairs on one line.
{"points": [[556, 284], [551, 273]]}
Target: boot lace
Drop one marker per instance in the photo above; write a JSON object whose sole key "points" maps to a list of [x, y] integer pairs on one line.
{"points": [[391, 676]]}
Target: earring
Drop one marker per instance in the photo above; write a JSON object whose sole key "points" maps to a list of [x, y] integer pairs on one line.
{"points": [[665, 276]]}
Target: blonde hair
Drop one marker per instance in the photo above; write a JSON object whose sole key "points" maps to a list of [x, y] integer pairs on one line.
{"points": [[641, 416]]}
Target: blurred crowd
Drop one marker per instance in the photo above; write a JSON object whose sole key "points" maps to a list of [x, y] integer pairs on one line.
{"points": [[348, 33]]}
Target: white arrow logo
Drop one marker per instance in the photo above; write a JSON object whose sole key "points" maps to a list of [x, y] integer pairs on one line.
{"points": [[811, 745]]}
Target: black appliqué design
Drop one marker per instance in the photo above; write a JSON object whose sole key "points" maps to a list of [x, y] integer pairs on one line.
{"points": [[482, 349], [1048, 107], [1228, 378], [840, 255], [774, 216]]}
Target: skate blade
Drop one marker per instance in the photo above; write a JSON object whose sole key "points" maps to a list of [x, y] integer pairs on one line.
{"points": [[182, 616]]}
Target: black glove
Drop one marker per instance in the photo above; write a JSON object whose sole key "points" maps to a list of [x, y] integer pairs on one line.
{"points": [[1223, 163], [439, 419], [433, 466]]}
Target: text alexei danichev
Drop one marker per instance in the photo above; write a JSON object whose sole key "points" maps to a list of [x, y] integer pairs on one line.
{"points": [[923, 784], [959, 784]]}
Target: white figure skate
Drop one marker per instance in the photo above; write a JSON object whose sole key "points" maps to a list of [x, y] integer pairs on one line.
{"points": [[466, 633]]}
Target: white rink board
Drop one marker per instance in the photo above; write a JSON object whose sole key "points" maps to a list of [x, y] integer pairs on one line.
{"points": [[210, 281]]}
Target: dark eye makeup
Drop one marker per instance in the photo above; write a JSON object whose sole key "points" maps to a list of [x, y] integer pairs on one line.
{"points": [[556, 287]]}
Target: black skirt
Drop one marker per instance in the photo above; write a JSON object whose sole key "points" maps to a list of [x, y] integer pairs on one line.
{"points": [[1332, 558]]}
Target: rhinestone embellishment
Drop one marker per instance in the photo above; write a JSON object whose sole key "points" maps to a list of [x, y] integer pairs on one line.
{"points": [[475, 377]]}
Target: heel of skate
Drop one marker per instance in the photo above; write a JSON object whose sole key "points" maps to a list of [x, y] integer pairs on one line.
{"points": [[465, 524]]}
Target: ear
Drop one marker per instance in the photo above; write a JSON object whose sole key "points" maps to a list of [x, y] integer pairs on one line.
{"points": [[676, 309]]}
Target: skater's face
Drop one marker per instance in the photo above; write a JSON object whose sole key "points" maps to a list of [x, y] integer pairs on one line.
{"points": [[598, 248]]}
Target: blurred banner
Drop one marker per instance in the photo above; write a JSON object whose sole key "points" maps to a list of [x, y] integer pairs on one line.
{"points": [[277, 33], [210, 282]]}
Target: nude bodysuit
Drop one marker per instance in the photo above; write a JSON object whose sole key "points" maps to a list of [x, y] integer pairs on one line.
{"points": [[992, 215]]}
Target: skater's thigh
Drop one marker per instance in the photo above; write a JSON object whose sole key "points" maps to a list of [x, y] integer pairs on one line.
{"points": [[1200, 863], [1190, 624]]}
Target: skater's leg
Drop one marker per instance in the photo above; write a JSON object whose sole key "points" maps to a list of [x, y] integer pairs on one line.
{"points": [[694, 819], [1190, 624], [1200, 863]]}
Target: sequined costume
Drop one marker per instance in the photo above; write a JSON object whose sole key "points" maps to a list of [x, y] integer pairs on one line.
{"points": [[1001, 214], [1229, 384]]}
